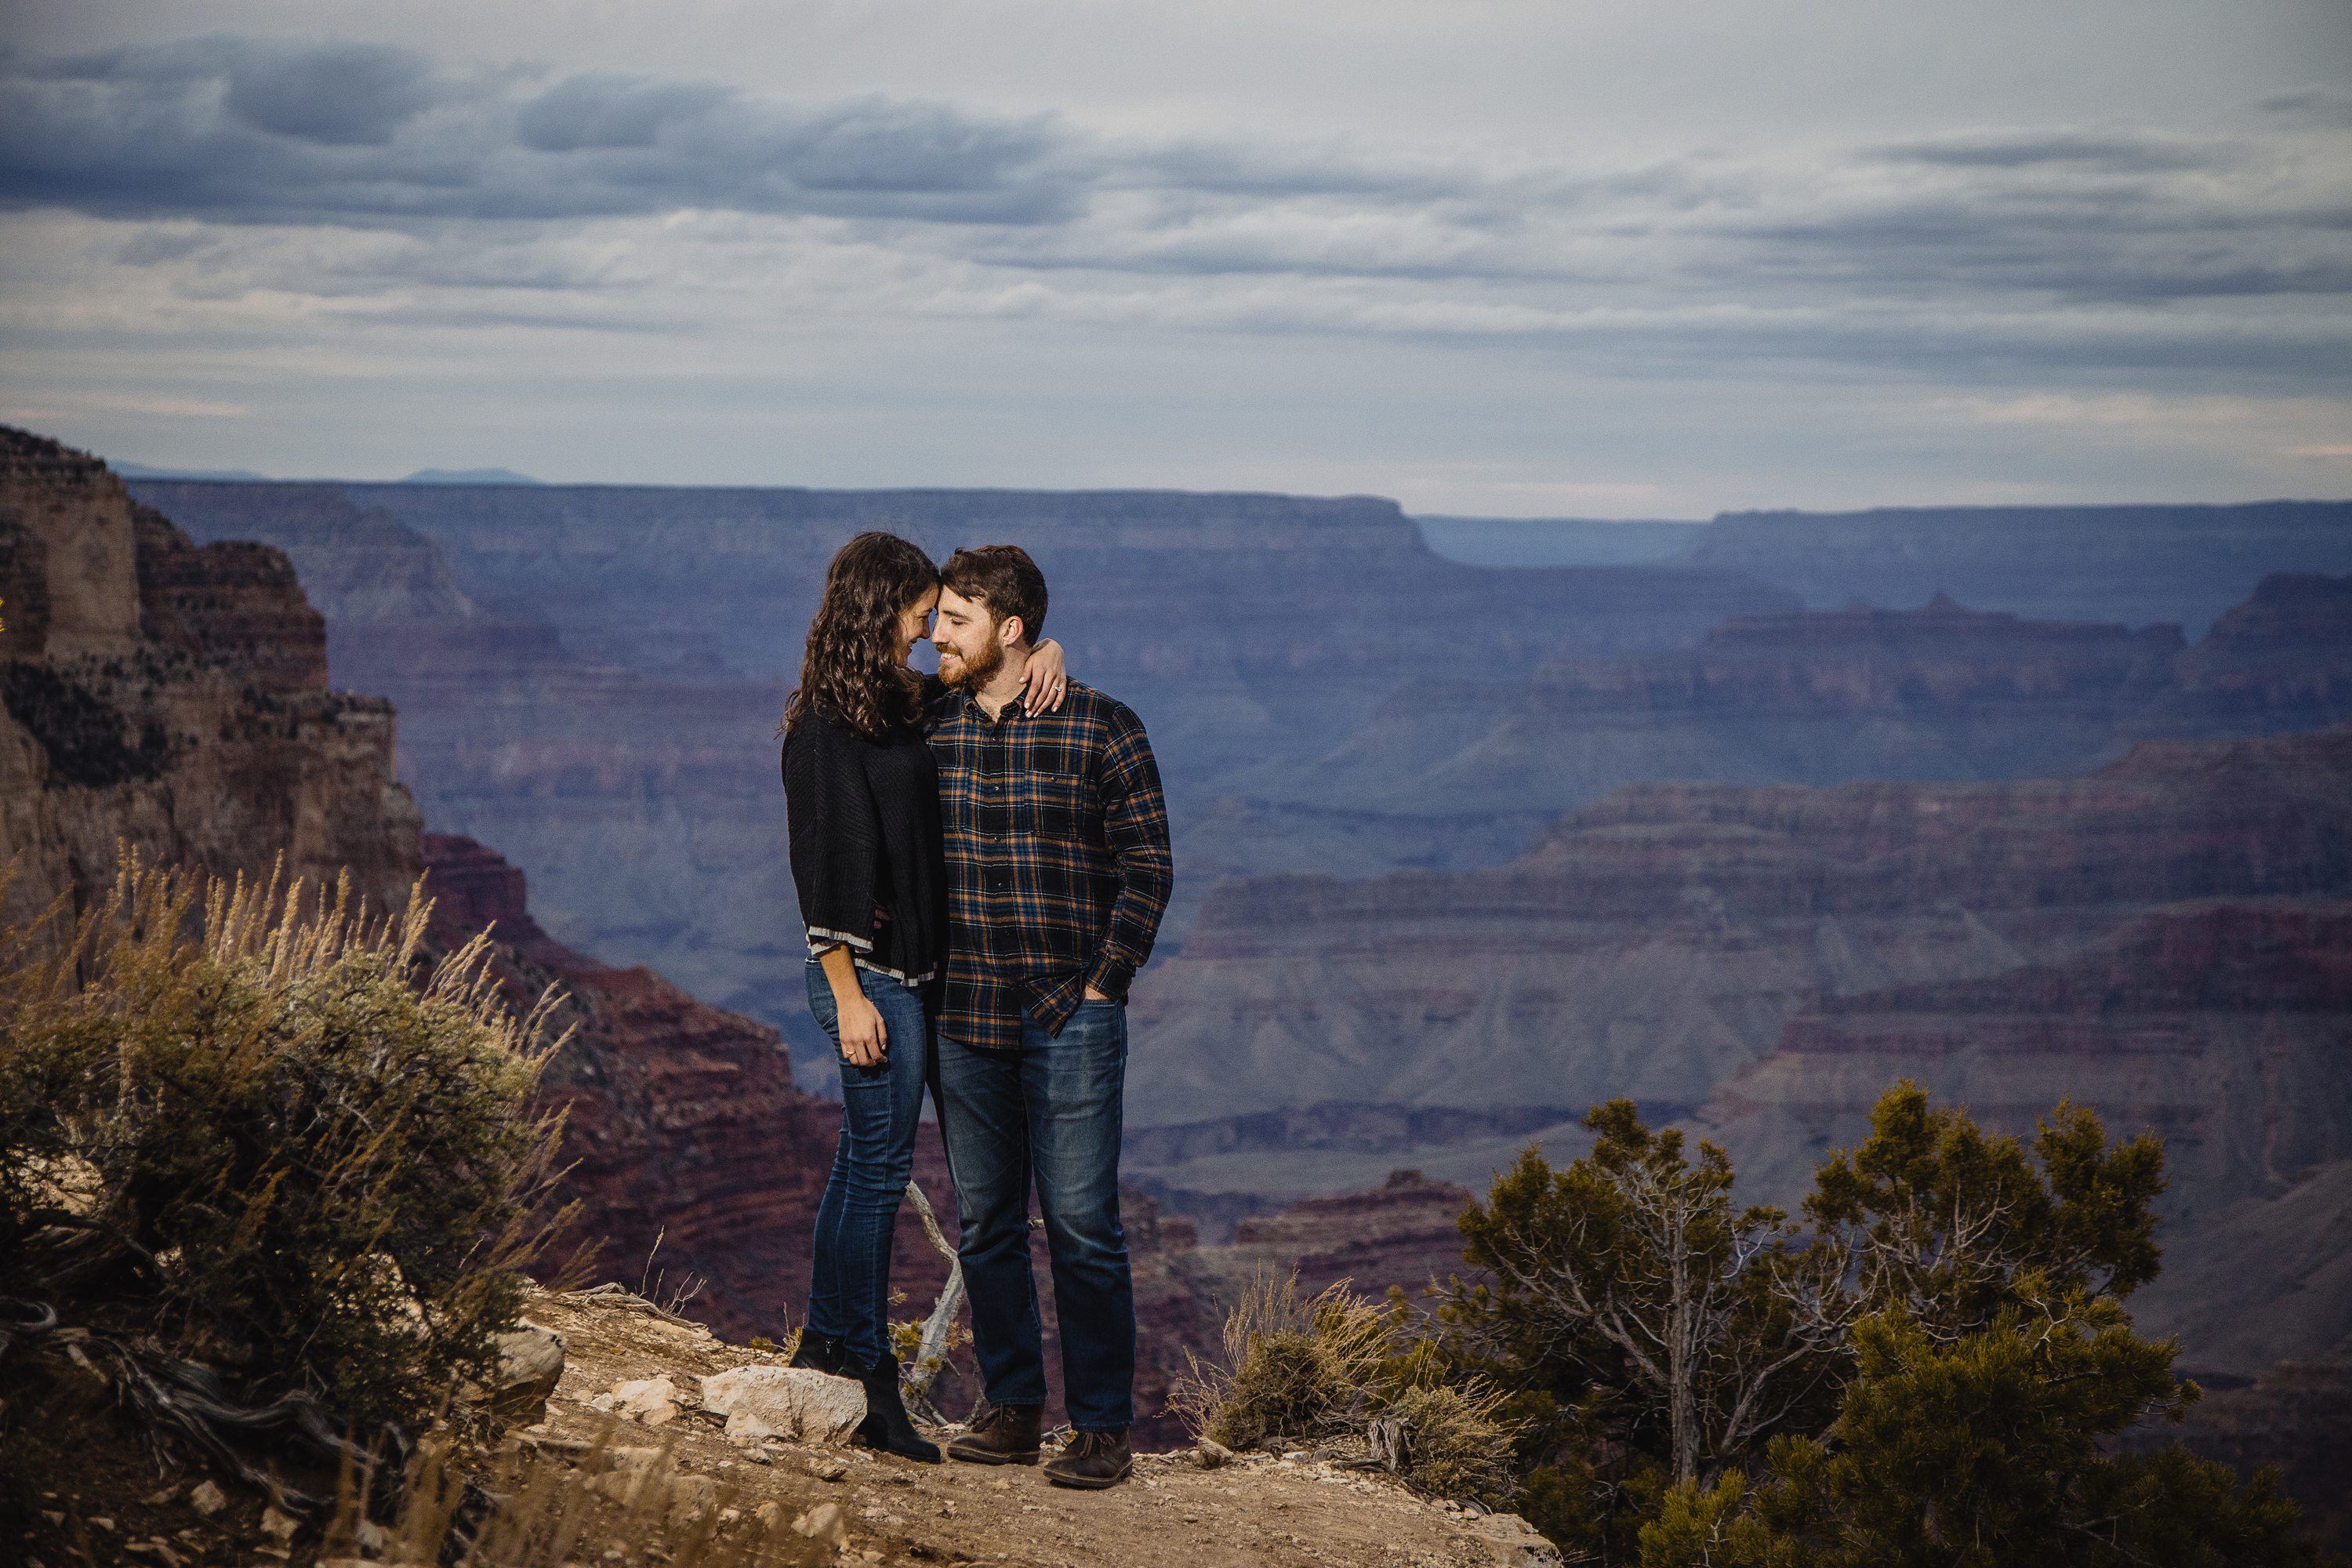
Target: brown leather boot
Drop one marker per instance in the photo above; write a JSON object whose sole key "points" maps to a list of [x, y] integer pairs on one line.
{"points": [[1092, 1460], [1000, 1435]]}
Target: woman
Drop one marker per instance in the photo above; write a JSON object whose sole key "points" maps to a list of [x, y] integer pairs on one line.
{"points": [[862, 798]]}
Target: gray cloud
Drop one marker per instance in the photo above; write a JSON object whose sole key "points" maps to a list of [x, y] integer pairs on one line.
{"points": [[2140, 153], [348, 95], [2102, 249], [2330, 106], [244, 129]]}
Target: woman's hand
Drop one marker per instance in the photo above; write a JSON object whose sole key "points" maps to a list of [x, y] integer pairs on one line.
{"points": [[1047, 679], [857, 1023], [865, 1039]]}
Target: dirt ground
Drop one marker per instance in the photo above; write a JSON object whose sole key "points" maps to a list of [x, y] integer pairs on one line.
{"points": [[704, 1503], [1256, 1512]]}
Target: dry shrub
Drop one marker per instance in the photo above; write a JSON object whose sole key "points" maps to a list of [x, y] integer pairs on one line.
{"points": [[242, 1144], [1455, 1444], [1292, 1368]]}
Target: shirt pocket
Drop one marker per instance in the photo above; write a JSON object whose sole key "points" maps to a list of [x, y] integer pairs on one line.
{"points": [[1059, 807]]}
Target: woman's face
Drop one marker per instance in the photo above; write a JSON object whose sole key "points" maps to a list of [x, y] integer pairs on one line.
{"points": [[915, 621]]}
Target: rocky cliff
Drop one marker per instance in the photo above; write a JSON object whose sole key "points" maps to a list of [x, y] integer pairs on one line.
{"points": [[1824, 696], [173, 699], [1658, 941], [2140, 565], [2224, 1026], [1403, 1233]]}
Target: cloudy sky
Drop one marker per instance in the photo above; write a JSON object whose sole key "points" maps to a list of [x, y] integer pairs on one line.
{"points": [[1486, 256]]}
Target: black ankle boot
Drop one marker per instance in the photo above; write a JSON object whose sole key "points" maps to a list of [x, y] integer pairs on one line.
{"points": [[822, 1353], [886, 1426]]}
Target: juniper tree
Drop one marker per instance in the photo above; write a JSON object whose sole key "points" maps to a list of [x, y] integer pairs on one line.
{"points": [[1632, 1268]]}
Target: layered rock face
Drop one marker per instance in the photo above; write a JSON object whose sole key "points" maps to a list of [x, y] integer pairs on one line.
{"points": [[1658, 941], [1403, 1233], [1824, 696], [2135, 563], [173, 699], [2224, 1026]]}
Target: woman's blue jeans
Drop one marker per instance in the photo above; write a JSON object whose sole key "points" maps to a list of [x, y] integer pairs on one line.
{"points": [[849, 1286]]}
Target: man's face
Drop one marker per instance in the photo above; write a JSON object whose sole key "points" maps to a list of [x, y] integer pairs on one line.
{"points": [[972, 647]]}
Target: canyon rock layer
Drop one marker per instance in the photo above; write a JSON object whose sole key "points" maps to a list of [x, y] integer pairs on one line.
{"points": [[172, 700]]}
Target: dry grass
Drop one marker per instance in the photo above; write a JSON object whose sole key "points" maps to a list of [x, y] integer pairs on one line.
{"points": [[1308, 1371], [1293, 1368], [1454, 1444]]}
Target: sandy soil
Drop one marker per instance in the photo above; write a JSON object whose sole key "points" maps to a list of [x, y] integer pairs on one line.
{"points": [[1255, 1513]]}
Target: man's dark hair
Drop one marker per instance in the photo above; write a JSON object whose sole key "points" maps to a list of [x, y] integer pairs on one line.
{"points": [[1002, 577]]}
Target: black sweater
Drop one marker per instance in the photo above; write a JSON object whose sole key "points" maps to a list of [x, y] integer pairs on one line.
{"points": [[865, 819]]}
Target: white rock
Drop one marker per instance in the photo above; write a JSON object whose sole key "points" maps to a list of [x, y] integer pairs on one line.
{"points": [[278, 1526], [789, 1402], [531, 1363], [652, 1400], [207, 1499], [824, 1522]]}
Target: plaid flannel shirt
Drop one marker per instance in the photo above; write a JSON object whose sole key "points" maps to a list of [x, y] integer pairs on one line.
{"points": [[1059, 865]]}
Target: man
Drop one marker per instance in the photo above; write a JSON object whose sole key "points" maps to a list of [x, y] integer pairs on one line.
{"points": [[1058, 870]]}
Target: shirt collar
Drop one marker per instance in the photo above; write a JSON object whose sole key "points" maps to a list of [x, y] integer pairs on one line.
{"points": [[1016, 709]]}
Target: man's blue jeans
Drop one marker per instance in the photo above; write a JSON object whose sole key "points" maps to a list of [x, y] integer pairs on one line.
{"points": [[1050, 1112], [849, 1286]]}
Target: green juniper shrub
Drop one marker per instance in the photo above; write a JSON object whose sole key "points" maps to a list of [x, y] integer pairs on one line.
{"points": [[236, 1131], [1929, 1371], [1985, 1450]]}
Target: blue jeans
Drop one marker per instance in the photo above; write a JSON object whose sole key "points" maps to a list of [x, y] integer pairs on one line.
{"points": [[849, 1286], [1050, 1112]]}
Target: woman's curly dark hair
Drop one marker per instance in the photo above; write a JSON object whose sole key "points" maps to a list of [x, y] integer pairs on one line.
{"points": [[851, 671]]}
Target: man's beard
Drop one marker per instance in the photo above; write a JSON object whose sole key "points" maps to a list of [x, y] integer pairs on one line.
{"points": [[971, 674]]}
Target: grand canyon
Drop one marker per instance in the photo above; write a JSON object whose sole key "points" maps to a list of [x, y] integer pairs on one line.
{"points": [[1747, 830]]}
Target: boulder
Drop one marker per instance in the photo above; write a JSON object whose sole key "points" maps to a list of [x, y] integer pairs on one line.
{"points": [[789, 1402], [652, 1400], [531, 1363]]}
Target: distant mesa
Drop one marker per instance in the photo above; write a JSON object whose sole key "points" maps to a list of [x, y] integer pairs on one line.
{"points": [[143, 471], [465, 477]]}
